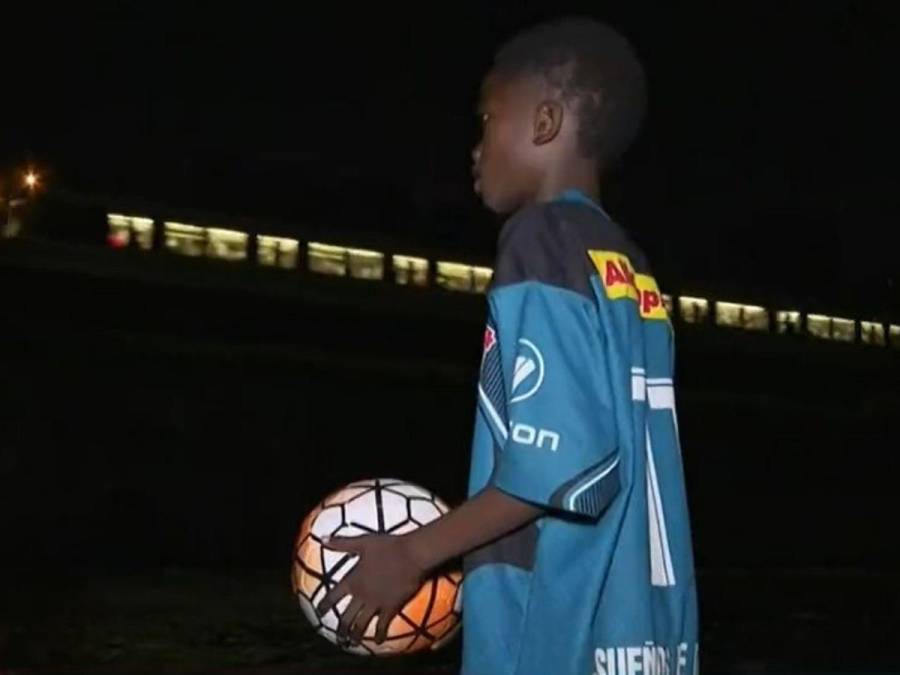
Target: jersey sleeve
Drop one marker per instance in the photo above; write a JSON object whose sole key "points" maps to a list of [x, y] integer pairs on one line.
{"points": [[559, 447]]}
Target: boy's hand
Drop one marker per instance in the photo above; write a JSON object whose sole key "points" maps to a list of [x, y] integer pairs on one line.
{"points": [[391, 568], [386, 576]]}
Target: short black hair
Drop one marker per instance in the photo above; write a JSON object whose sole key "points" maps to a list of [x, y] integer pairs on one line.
{"points": [[594, 66]]}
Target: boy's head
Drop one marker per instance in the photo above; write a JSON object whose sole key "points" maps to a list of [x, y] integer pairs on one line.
{"points": [[561, 104]]}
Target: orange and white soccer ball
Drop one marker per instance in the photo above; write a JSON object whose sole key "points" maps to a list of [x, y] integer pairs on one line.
{"points": [[377, 506]]}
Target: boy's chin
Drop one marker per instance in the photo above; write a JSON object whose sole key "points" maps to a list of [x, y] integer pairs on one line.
{"points": [[496, 204]]}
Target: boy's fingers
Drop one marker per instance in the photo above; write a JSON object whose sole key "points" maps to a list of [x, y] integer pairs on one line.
{"points": [[362, 622], [345, 544], [332, 597], [347, 617], [384, 621]]}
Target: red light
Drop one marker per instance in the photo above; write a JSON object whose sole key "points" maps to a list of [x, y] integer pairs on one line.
{"points": [[117, 239]]}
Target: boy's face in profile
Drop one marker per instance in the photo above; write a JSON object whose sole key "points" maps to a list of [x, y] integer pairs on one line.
{"points": [[504, 166]]}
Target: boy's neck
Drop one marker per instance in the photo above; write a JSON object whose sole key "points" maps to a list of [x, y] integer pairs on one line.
{"points": [[584, 178]]}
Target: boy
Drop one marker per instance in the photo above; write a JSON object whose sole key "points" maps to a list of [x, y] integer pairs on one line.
{"points": [[576, 532]]}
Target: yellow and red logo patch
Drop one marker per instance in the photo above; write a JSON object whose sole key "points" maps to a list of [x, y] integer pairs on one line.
{"points": [[621, 281]]}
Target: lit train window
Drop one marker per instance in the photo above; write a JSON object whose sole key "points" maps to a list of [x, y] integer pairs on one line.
{"points": [[454, 276], [277, 251], [327, 259], [818, 326], [667, 303], [360, 263], [119, 230], [142, 228], [226, 244], [749, 317], [894, 333], [843, 330], [457, 276], [410, 271], [365, 264], [125, 229], [185, 239], [482, 278], [831, 328], [787, 321], [872, 333], [693, 310]]}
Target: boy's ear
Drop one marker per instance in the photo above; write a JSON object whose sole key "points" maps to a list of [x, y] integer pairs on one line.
{"points": [[548, 121]]}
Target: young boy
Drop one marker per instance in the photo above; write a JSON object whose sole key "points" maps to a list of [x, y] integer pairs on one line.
{"points": [[576, 532]]}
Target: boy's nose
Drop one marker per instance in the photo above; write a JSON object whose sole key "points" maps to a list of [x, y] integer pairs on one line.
{"points": [[476, 154]]}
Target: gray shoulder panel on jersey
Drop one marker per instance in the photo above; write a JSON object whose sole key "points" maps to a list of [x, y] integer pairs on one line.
{"points": [[549, 243]]}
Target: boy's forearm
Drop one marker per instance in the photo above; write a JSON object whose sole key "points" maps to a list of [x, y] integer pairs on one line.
{"points": [[487, 516]]}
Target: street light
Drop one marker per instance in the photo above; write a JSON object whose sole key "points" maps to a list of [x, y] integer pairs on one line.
{"points": [[13, 225]]}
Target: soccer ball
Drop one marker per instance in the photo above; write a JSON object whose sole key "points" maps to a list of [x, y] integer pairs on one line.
{"points": [[377, 506]]}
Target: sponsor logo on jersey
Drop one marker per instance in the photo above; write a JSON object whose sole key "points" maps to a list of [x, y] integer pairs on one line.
{"points": [[652, 306], [616, 273], [647, 659], [528, 372], [621, 281], [525, 434]]}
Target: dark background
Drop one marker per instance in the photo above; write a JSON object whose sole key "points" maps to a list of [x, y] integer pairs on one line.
{"points": [[771, 141], [165, 423]]}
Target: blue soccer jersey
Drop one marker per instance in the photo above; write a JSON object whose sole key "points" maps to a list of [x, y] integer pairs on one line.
{"points": [[576, 413]]}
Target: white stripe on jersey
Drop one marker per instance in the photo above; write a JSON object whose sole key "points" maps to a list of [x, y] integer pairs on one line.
{"points": [[661, 396], [492, 413], [661, 572]]}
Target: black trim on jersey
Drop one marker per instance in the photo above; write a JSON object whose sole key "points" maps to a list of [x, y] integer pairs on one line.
{"points": [[491, 382], [517, 548], [596, 498], [549, 243]]}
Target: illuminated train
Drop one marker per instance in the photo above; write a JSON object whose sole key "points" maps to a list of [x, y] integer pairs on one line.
{"points": [[147, 234]]}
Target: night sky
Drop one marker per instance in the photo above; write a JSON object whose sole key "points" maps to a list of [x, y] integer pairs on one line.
{"points": [[768, 160]]}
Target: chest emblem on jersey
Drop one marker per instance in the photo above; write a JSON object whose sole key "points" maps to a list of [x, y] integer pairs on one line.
{"points": [[528, 371]]}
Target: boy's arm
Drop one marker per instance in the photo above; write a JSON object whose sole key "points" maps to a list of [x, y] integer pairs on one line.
{"points": [[487, 516], [391, 568]]}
